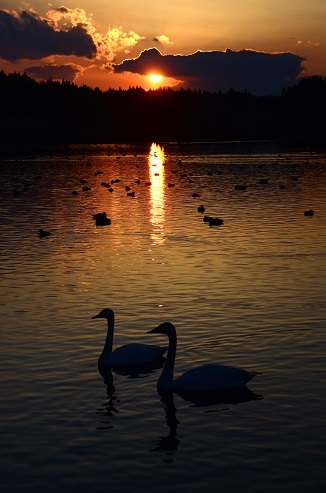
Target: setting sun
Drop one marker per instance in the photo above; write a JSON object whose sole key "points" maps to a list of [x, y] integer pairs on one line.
{"points": [[155, 78]]}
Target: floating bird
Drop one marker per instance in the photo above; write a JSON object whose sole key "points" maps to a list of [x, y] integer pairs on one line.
{"points": [[201, 208], [101, 219], [195, 195], [128, 355], [205, 378], [311, 212], [213, 221], [43, 234]]}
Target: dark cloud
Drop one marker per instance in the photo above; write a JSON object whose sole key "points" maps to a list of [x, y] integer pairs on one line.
{"points": [[26, 35], [54, 72], [257, 72]]}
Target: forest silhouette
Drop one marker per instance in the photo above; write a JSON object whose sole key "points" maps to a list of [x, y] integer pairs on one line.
{"points": [[54, 112]]}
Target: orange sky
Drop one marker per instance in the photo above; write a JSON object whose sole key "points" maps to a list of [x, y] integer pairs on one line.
{"points": [[120, 30]]}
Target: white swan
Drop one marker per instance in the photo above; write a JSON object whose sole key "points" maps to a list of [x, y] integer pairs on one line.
{"points": [[206, 378], [128, 355]]}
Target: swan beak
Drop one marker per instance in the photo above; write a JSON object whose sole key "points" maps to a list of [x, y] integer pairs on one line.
{"points": [[153, 331], [96, 316]]}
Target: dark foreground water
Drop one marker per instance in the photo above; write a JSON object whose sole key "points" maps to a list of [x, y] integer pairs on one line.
{"points": [[250, 293]]}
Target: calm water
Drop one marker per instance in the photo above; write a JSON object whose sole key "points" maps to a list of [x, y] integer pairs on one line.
{"points": [[250, 293]]}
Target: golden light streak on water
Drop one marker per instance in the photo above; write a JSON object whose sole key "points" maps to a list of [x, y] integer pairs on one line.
{"points": [[156, 160]]}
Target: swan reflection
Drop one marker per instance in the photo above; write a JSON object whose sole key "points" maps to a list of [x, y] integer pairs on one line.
{"points": [[108, 409], [170, 443], [156, 160]]}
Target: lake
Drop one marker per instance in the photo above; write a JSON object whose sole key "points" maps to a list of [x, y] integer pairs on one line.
{"points": [[248, 293]]}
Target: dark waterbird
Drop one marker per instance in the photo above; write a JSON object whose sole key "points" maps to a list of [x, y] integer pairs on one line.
{"points": [[213, 221], [43, 234], [101, 219], [210, 377], [132, 354], [201, 208], [310, 212]]}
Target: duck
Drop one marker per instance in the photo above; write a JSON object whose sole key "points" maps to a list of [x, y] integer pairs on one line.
{"points": [[310, 212], [133, 354], [215, 221], [42, 233], [101, 219], [205, 378]]}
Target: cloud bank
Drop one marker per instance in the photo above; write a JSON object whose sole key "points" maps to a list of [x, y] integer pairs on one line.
{"points": [[62, 32], [256, 72], [26, 35]]}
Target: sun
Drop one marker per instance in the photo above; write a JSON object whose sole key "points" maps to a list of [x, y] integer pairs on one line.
{"points": [[155, 78]]}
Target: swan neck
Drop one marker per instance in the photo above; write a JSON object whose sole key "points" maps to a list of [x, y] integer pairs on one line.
{"points": [[166, 377], [107, 350]]}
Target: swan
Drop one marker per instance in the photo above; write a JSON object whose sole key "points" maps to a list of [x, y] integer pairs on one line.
{"points": [[210, 377], [128, 355]]}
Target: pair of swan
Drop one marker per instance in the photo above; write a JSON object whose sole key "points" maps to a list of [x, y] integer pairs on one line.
{"points": [[209, 377]]}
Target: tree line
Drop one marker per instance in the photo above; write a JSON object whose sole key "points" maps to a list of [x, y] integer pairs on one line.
{"points": [[61, 112]]}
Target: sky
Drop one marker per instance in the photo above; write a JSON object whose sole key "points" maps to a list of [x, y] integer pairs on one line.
{"points": [[256, 45]]}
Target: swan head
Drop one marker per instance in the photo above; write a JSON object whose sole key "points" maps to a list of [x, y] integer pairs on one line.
{"points": [[164, 328], [106, 313]]}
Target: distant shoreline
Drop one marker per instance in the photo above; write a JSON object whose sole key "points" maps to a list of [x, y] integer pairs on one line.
{"points": [[30, 151], [61, 113]]}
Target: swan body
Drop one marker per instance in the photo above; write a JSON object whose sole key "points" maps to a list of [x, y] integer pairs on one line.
{"points": [[210, 377], [128, 355]]}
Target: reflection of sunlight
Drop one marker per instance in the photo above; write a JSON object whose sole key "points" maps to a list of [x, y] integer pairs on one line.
{"points": [[156, 171]]}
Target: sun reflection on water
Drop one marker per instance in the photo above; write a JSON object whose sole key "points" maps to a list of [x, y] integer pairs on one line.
{"points": [[156, 160]]}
